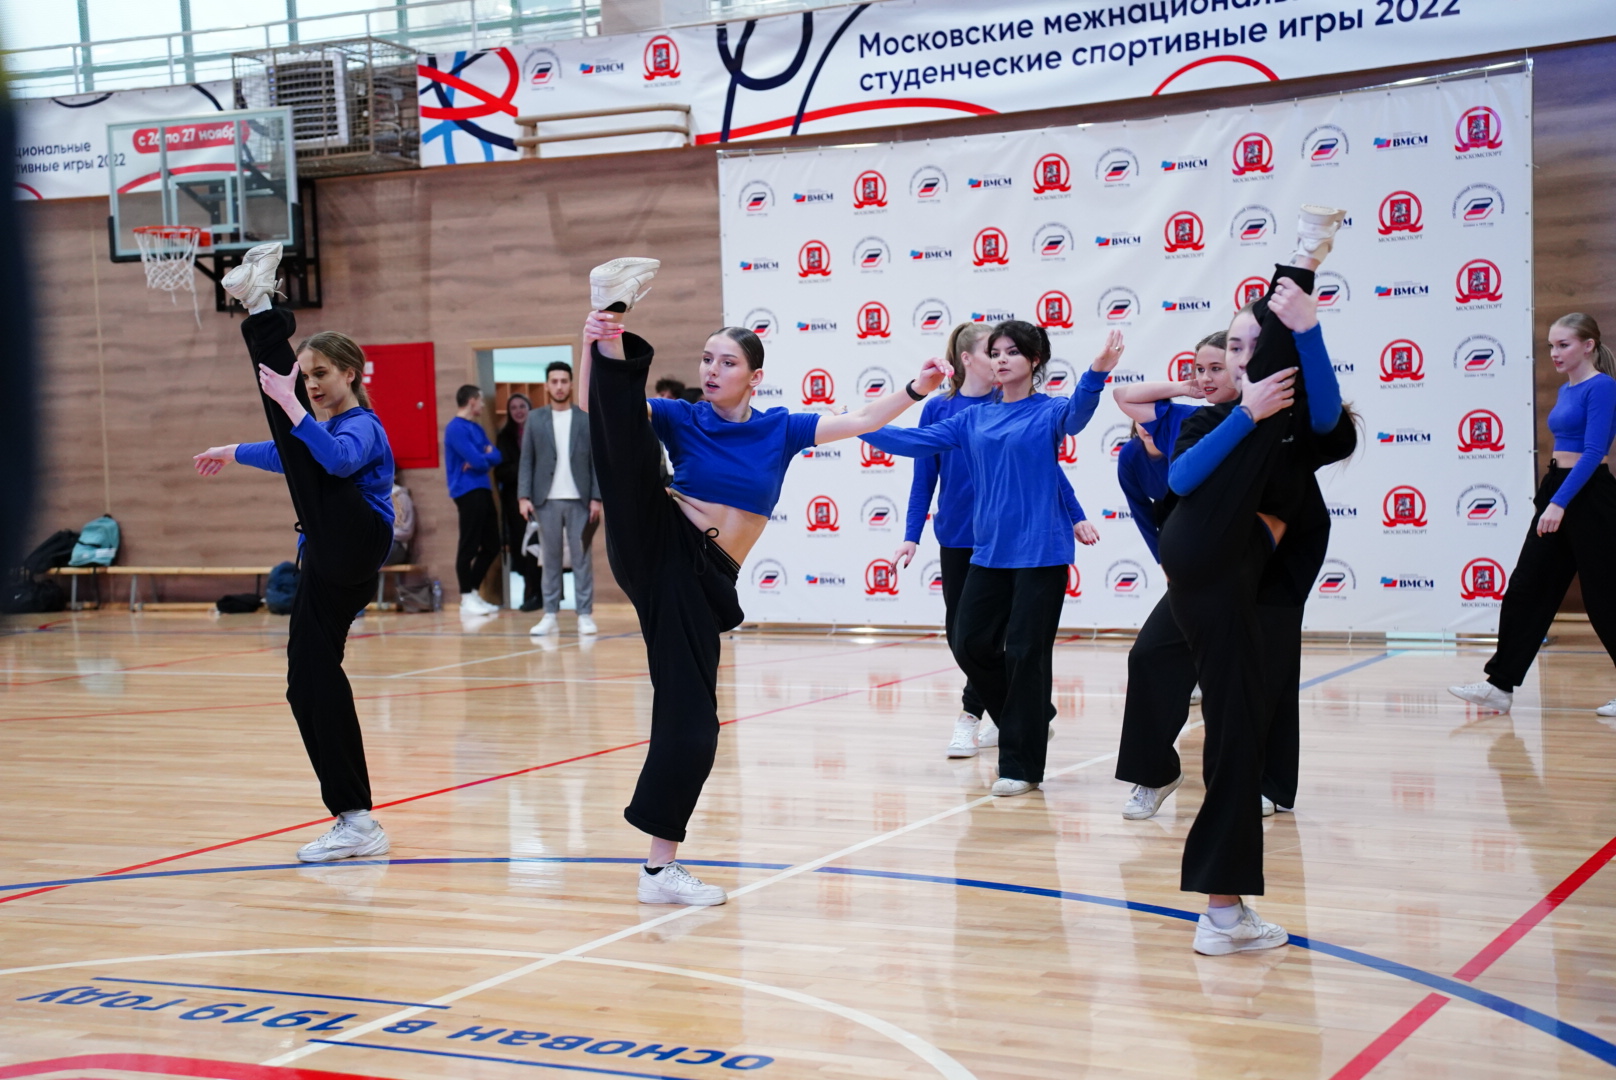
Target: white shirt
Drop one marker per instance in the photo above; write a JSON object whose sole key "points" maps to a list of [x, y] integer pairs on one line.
{"points": [[563, 486]]}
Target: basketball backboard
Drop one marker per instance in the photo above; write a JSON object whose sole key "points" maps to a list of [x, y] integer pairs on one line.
{"points": [[232, 174]]}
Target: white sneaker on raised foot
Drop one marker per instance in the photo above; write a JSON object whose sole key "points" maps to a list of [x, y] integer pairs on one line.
{"points": [[544, 626], [963, 744], [622, 281], [351, 837], [1145, 801], [1267, 806], [1004, 788], [1247, 935], [989, 735], [1484, 694], [673, 884], [472, 604], [586, 625], [1608, 708], [254, 279], [1315, 231]]}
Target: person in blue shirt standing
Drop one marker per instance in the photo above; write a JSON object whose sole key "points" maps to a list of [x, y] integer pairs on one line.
{"points": [[467, 457], [1575, 522], [340, 475], [1010, 610], [949, 475]]}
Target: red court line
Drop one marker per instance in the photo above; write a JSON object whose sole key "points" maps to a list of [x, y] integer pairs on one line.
{"points": [[475, 783], [1431, 1004], [166, 1065]]}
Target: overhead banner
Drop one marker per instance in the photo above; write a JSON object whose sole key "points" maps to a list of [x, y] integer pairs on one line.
{"points": [[872, 65], [854, 264]]}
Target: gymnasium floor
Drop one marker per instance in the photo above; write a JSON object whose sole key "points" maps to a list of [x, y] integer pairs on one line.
{"points": [[1443, 877]]}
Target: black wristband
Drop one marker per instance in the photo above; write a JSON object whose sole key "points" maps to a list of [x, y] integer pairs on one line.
{"points": [[909, 388]]}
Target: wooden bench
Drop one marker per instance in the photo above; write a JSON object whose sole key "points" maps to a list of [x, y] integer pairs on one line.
{"points": [[257, 573]]}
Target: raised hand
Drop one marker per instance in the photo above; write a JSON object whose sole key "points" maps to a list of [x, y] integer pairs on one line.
{"points": [[281, 389], [1268, 396], [932, 374], [1292, 306], [602, 326], [1111, 354]]}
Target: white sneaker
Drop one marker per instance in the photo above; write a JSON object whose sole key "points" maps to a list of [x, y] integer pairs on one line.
{"points": [[963, 744], [544, 626], [586, 625], [1145, 801], [1315, 231], [1608, 708], [1484, 694], [349, 838], [1267, 806], [988, 735], [1247, 935], [254, 279], [673, 884], [1004, 788], [624, 281], [472, 604]]}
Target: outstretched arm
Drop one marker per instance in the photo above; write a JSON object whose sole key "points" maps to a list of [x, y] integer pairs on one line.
{"points": [[884, 409], [603, 330], [1300, 312], [1138, 402], [1261, 400], [918, 442], [212, 461]]}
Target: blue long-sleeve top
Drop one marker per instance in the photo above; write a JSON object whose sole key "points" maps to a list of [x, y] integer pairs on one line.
{"points": [[1190, 469], [956, 500], [1019, 518], [465, 463], [1582, 419], [351, 444]]}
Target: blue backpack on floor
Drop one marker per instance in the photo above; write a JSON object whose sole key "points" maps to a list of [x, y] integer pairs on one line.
{"points": [[281, 588]]}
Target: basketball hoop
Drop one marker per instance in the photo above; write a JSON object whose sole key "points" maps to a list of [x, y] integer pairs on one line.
{"points": [[168, 252]]}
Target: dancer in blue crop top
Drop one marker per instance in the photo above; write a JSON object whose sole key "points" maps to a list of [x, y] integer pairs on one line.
{"points": [[676, 551], [1571, 532], [340, 475], [1011, 606]]}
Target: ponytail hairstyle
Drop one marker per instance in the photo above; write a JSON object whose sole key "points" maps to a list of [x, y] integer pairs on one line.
{"points": [[345, 353], [751, 345], [964, 338], [1588, 330], [1219, 341], [1032, 341]]}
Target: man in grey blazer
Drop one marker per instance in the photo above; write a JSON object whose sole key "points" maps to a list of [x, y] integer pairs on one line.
{"points": [[556, 486]]}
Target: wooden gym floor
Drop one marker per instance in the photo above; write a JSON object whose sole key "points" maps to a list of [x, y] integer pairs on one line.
{"points": [[1443, 878]]}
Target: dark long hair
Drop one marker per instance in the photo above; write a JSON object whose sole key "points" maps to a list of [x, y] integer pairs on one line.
{"points": [[1032, 342]]}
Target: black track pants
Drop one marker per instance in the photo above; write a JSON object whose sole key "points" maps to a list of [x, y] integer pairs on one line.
{"points": [[1006, 628], [479, 538], [1282, 664], [1161, 677], [344, 542], [1580, 546], [682, 586], [956, 566]]}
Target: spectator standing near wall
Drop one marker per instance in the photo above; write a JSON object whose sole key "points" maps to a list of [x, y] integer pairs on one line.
{"points": [[467, 457], [557, 476], [508, 441]]}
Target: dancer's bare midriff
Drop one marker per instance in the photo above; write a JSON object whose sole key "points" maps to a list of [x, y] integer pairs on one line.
{"points": [[1567, 459], [736, 530]]}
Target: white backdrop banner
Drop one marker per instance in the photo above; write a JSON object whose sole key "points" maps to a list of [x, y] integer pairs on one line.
{"points": [[854, 264], [910, 61]]}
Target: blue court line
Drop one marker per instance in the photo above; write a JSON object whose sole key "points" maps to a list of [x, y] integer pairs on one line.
{"points": [[261, 990], [1328, 675], [500, 1060]]}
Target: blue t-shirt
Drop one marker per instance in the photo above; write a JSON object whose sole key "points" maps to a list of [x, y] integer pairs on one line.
{"points": [[465, 463], [1582, 420], [732, 464], [350, 444], [1020, 519]]}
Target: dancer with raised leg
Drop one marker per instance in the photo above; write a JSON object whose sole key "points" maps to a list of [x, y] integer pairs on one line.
{"points": [[340, 475], [676, 551]]}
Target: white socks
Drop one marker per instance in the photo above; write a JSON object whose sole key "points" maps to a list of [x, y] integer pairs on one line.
{"points": [[263, 304], [361, 818], [1224, 918]]}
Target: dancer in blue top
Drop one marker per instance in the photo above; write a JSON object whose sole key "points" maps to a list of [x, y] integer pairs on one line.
{"points": [[1573, 527], [467, 458], [971, 384], [676, 550], [1010, 610], [340, 475]]}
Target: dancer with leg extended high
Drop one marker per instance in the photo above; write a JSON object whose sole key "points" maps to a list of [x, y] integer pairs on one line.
{"points": [[1010, 609], [340, 475], [1574, 522], [676, 551]]}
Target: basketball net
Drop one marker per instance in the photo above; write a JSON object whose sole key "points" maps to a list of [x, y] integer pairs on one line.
{"points": [[168, 252]]}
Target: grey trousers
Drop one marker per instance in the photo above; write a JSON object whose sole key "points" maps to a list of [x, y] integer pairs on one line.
{"points": [[565, 517]]}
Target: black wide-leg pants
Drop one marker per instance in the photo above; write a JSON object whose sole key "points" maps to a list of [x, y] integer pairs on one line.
{"points": [[682, 586], [1161, 678], [479, 538], [344, 542], [1008, 619], [956, 566], [1580, 546]]}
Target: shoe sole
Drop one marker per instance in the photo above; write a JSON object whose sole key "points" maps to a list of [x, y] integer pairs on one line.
{"points": [[684, 903], [1168, 790], [1483, 704], [1013, 794], [361, 854], [957, 752], [1254, 945]]}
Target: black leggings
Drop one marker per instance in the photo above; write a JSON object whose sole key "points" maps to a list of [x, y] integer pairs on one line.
{"points": [[956, 566], [1580, 546], [344, 542], [479, 538], [1006, 631], [682, 586]]}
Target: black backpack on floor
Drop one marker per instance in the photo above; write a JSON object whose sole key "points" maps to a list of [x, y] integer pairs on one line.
{"points": [[27, 595]]}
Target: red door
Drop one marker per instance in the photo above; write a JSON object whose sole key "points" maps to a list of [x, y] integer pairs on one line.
{"points": [[402, 380]]}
